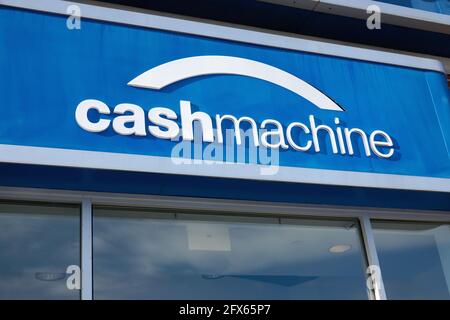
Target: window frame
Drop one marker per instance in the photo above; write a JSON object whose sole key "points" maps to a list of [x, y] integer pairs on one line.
{"points": [[49, 202], [87, 200]]}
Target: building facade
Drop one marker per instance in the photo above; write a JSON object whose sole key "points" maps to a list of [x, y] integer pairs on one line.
{"points": [[237, 150]]}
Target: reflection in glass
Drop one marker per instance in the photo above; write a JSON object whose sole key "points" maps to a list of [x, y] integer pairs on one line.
{"points": [[144, 255], [414, 259], [37, 244]]}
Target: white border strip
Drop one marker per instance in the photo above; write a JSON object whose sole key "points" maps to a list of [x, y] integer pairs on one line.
{"points": [[394, 10], [227, 33], [153, 164], [393, 14], [244, 207]]}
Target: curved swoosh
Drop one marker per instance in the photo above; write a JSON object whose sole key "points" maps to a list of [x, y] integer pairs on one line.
{"points": [[177, 70]]}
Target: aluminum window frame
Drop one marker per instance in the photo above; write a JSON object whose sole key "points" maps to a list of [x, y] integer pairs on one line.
{"points": [[87, 200]]}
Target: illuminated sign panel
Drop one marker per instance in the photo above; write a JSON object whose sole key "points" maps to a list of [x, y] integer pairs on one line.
{"points": [[122, 97]]}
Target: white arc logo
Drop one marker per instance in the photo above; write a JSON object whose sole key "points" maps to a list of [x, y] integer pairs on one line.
{"points": [[181, 69]]}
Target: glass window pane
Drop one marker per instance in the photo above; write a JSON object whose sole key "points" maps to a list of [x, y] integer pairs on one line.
{"points": [[37, 244], [145, 255], [414, 259]]}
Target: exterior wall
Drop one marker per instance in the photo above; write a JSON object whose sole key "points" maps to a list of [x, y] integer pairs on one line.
{"points": [[50, 162]]}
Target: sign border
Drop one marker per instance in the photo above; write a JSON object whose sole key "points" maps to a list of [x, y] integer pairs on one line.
{"points": [[148, 19], [154, 164]]}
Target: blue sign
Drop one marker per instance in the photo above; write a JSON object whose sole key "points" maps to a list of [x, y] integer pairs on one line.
{"points": [[135, 98]]}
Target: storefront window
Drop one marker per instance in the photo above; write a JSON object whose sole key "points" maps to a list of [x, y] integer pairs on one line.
{"points": [[39, 251], [150, 255], [414, 259]]}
